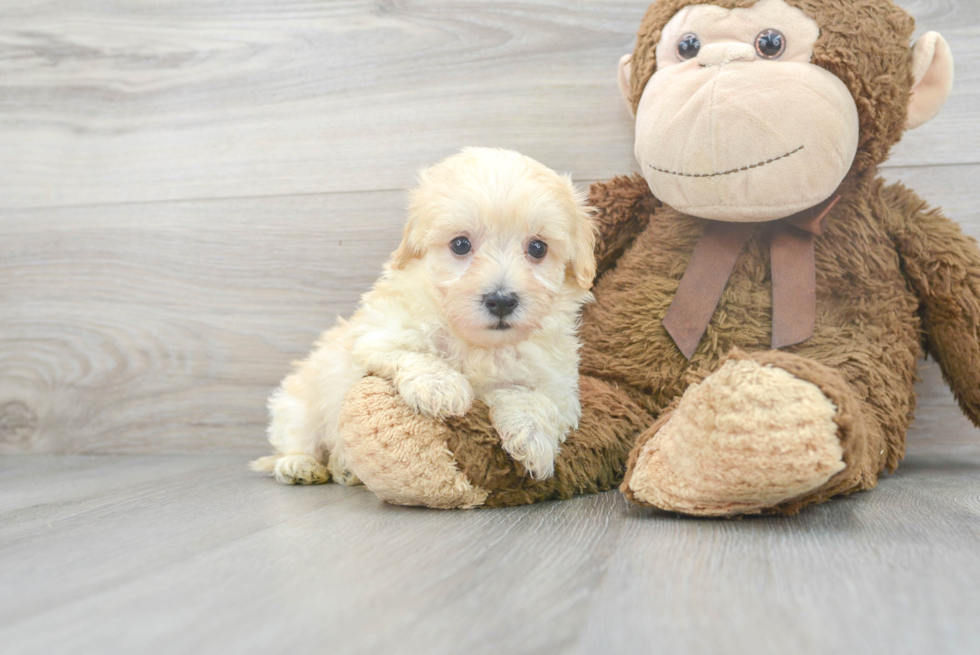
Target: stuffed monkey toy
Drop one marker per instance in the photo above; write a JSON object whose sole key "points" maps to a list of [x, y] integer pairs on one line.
{"points": [[762, 297]]}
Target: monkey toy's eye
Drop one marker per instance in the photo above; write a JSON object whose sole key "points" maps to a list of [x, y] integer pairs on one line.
{"points": [[689, 46], [460, 245], [770, 44], [537, 249]]}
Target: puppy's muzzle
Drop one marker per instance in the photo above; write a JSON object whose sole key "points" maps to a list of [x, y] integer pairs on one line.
{"points": [[501, 304]]}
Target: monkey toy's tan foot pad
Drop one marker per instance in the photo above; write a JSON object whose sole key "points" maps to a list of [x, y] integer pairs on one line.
{"points": [[399, 454], [751, 437]]}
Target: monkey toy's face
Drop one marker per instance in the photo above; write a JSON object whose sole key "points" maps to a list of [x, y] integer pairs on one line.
{"points": [[737, 124]]}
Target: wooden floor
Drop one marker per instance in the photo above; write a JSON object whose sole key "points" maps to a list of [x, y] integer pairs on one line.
{"points": [[187, 554], [190, 190]]}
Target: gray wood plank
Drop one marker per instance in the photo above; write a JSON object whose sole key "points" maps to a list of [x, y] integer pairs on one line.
{"points": [[162, 327], [180, 99], [887, 562], [169, 554]]}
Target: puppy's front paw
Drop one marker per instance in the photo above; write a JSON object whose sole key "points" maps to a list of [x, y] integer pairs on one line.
{"points": [[531, 428], [532, 447], [436, 394]]}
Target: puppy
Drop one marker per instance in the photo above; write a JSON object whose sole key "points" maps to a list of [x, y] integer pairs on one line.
{"points": [[480, 300]]}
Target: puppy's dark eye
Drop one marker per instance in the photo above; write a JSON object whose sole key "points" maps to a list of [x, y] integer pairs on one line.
{"points": [[460, 245], [537, 249], [770, 44], [689, 46]]}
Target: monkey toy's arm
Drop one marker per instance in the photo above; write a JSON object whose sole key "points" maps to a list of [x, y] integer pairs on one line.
{"points": [[943, 266], [623, 208]]}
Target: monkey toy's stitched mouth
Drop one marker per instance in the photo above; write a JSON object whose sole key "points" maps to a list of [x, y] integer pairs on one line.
{"points": [[732, 171]]}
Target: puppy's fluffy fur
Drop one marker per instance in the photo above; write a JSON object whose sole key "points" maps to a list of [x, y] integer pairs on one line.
{"points": [[427, 325]]}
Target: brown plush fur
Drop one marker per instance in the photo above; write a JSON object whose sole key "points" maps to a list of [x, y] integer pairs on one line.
{"points": [[867, 324], [893, 278]]}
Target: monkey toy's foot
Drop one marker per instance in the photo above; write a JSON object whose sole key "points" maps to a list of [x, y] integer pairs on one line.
{"points": [[750, 438], [407, 458], [400, 454]]}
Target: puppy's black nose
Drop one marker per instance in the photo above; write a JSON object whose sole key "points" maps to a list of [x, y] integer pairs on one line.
{"points": [[500, 304]]}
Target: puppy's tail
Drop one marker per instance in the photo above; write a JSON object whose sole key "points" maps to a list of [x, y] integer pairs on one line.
{"points": [[264, 464]]}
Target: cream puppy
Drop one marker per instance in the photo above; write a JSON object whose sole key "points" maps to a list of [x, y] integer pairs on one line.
{"points": [[480, 300]]}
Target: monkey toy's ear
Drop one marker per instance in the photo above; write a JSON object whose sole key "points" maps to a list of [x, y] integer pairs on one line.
{"points": [[932, 78], [625, 86]]}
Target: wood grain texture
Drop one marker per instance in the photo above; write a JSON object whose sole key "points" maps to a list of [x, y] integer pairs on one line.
{"points": [[143, 311], [107, 102], [164, 327], [178, 554]]}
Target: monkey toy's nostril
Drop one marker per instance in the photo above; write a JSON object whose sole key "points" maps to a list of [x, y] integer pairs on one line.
{"points": [[500, 304]]}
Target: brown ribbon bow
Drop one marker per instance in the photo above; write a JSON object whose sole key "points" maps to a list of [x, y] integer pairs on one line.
{"points": [[794, 278]]}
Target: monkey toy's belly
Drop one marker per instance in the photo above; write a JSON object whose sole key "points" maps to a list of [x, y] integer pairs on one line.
{"points": [[867, 325]]}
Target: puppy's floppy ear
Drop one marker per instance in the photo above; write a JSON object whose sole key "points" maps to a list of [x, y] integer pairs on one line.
{"points": [[412, 244], [583, 238], [409, 248]]}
